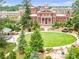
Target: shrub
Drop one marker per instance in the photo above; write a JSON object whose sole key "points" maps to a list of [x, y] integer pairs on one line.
{"points": [[36, 41], [65, 30], [57, 24], [48, 57], [49, 49]]}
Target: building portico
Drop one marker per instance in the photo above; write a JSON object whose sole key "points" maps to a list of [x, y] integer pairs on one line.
{"points": [[46, 20]]}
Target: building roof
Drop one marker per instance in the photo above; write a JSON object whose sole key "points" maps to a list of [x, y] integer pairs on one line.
{"points": [[38, 11], [60, 14], [8, 11], [33, 15], [61, 6], [7, 30]]}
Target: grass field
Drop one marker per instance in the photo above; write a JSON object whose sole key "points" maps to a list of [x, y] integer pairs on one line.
{"points": [[52, 39]]}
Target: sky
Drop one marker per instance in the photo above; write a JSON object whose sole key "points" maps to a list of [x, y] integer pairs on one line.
{"points": [[42, 2]]}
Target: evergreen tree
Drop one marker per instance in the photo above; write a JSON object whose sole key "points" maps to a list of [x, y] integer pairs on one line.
{"points": [[28, 51], [73, 53], [36, 25], [69, 24], [2, 56], [2, 22], [26, 19], [36, 41], [76, 7], [12, 55], [76, 15], [76, 11], [22, 42], [3, 42], [57, 24], [76, 27]]}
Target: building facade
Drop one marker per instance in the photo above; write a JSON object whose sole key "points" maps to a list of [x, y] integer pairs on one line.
{"points": [[44, 16]]}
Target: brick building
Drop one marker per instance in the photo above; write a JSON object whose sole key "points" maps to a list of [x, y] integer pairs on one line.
{"points": [[44, 15]]}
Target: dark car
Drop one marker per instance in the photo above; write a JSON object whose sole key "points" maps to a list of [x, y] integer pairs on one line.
{"points": [[65, 30]]}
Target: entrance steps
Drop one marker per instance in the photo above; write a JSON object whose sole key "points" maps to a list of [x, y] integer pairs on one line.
{"points": [[46, 28]]}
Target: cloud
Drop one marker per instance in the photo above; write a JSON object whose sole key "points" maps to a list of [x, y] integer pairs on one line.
{"points": [[8, 4], [66, 3], [42, 2]]}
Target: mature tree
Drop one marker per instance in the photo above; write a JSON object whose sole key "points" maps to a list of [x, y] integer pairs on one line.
{"points": [[73, 53], [2, 22], [36, 25], [9, 23], [76, 7], [10, 8], [6, 22], [12, 55], [2, 56], [76, 15], [36, 41], [76, 27], [76, 10], [26, 19], [57, 24], [69, 24], [28, 51], [22, 43], [3, 42]]}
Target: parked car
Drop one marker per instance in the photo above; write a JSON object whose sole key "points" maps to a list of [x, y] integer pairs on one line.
{"points": [[65, 30]]}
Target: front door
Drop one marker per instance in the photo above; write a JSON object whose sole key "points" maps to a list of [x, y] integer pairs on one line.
{"points": [[45, 20]]}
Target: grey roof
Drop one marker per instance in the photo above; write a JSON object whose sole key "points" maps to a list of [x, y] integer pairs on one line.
{"points": [[7, 30]]}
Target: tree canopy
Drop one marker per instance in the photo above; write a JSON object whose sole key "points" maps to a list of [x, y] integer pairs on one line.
{"points": [[73, 53], [26, 19], [36, 41]]}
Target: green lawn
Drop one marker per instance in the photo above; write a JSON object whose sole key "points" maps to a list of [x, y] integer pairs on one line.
{"points": [[52, 39]]}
